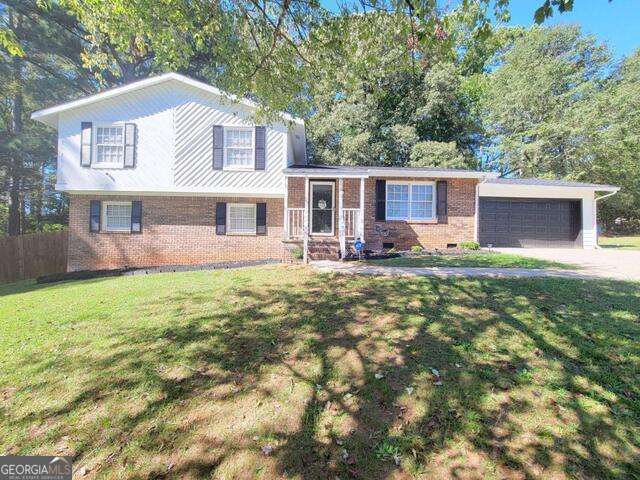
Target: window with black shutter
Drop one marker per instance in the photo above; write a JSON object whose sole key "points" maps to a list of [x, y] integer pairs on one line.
{"points": [[221, 218], [381, 206], [261, 218]]}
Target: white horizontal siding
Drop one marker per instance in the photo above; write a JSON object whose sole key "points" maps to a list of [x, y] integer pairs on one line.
{"points": [[586, 195], [174, 149]]}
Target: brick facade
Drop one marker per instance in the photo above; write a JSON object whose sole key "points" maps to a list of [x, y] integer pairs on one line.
{"points": [[180, 230], [176, 230], [460, 227]]}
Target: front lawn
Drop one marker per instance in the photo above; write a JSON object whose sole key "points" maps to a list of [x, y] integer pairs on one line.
{"points": [[627, 243], [475, 259], [280, 372]]}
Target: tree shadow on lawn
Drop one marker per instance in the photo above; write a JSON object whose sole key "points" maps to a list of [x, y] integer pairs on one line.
{"points": [[339, 376]]}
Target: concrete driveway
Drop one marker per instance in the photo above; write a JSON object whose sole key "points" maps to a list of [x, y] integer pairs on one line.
{"points": [[608, 263]]}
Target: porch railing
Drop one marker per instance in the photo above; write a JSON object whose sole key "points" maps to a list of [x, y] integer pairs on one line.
{"points": [[351, 217], [294, 223]]}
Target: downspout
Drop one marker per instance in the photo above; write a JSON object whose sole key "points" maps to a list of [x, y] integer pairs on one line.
{"points": [[595, 212]]}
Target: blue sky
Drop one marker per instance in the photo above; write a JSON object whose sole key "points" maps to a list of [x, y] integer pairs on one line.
{"points": [[615, 23]]}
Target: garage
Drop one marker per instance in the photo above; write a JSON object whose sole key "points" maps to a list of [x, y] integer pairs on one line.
{"points": [[530, 222]]}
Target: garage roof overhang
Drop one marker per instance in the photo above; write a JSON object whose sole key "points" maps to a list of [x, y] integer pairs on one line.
{"points": [[541, 188]]}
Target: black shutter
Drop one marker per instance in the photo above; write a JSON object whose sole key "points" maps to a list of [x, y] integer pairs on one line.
{"points": [[261, 218], [136, 216], [85, 143], [94, 216], [260, 153], [441, 196], [381, 200], [218, 147], [221, 218], [130, 145]]}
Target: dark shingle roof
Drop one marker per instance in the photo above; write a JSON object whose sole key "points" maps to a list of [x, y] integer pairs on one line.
{"points": [[368, 168], [315, 170], [543, 182]]}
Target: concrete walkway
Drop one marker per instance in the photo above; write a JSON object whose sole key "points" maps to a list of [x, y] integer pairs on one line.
{"points": [[356, 268]]}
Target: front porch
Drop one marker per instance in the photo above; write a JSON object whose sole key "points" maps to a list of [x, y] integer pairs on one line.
{"points": [[324, 214]]}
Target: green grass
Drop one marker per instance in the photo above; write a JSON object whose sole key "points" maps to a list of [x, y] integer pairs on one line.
{"points": [[192, 375], [627, 243], [480, 259]]}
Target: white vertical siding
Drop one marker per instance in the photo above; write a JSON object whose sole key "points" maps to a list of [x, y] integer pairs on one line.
{"points": [[195, 116], [589, 227], [174, 149]]}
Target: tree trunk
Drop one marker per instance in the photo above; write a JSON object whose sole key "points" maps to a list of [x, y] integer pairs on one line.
{"points": [[14, 208], [16, 170]]}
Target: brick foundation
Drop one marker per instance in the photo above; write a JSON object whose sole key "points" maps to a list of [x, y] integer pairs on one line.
{"points": [[175, 231]]}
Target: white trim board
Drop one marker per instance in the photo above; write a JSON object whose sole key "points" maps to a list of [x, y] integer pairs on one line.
{"points": [[169, 193]]}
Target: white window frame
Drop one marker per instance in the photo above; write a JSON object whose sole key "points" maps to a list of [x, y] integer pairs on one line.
{"points": [[333, 208], [434, 215], [94, 145], [255, 216], [242, 168], [103, 215]]}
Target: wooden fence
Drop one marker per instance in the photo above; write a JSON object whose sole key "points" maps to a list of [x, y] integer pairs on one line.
{"points": [[32, 255]]}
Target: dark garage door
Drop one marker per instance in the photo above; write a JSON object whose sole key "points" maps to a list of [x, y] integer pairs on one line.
{"points": [[539, 223]]}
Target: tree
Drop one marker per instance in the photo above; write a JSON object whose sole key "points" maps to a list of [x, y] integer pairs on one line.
{"points": [[32, 79], [610, 143], [436, 154], [530, 100], [380, 93], [244, 47]]}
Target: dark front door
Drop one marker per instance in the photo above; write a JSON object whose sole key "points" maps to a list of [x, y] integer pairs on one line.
{"points": [[533, 223], [322, 208]]}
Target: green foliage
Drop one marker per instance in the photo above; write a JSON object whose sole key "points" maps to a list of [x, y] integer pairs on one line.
{"points": [[470, 246], [556, 107], [531, 98], [376, 102], [4, 217], [9, 43], [610, 141], [436, 154], [297, 253], [243, 47], [416, 248], [53, 227]]}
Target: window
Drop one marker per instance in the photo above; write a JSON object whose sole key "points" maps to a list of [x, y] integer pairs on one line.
{"points": [[116, 216], [109, 146], [238, 148], [410, 201], [241, 218]]}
